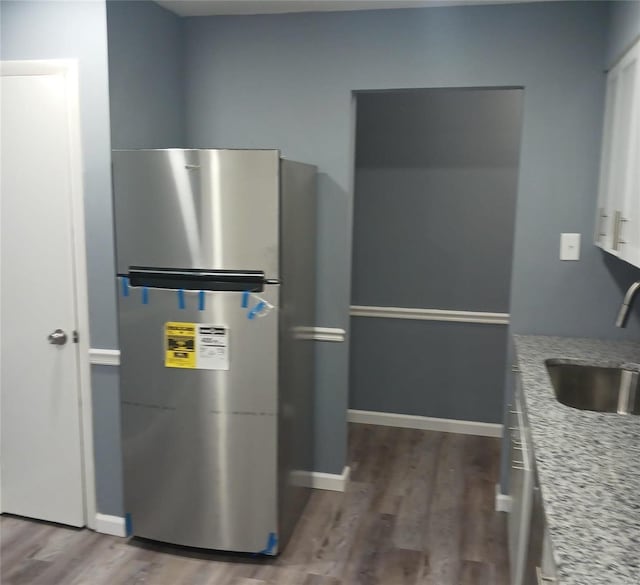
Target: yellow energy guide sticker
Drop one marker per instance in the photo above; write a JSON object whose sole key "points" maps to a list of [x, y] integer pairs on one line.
{"points": [[180, 345]]}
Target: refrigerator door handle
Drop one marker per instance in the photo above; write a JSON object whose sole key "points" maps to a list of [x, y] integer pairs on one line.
{"points": [[196, 279]]}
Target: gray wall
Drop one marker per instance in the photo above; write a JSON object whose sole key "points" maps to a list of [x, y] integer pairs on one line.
{"points": [[146, 75], [286, 81], [624, 27], [435, 198], [434, 238], [428, 368], [439, 128], [434, 209], [78, 30]]}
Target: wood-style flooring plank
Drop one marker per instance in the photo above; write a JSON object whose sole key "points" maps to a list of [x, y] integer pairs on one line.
{"points": [[402, 567], [373, 542], [104, 561], [321, 580], [475, 573], [412, 526], [393, 485], [174, 569], [485, 539], [59, 542], [70, 562], [11, 529], [372, 454], [31, 540], [331, 555], [417, 511], [444, 536], [313, 528], [477, 505], [498, 549], [25, 572]]}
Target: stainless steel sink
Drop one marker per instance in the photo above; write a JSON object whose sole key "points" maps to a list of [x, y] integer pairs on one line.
{"points": [[601, 389]]}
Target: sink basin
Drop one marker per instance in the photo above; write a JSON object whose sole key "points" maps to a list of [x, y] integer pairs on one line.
{"points": [[596, 388]]}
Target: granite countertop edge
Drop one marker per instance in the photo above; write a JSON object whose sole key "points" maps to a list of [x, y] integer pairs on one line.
{"points": [[588, 465]]}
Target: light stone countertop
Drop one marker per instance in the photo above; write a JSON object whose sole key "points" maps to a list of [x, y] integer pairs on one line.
{"points": [[588, 466]]}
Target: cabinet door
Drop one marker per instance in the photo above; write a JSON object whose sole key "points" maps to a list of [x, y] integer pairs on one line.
{"points": [[629, 226], [517, 480], [521, 479], [536, 537], [605, 204], [618, 218]]}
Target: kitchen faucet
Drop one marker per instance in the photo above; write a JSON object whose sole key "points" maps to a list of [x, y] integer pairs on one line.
{"points": [[627, 303]]}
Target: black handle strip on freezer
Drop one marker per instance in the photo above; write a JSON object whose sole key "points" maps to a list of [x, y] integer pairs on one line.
{"points": [[197, 279]]}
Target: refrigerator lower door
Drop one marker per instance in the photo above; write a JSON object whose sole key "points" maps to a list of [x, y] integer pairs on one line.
{"points": [[200, 445]]}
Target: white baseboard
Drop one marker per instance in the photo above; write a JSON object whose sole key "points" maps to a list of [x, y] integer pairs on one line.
{"points": [[322, 481], [425, 423], [331, 481], [113, 525], [503, 501]]}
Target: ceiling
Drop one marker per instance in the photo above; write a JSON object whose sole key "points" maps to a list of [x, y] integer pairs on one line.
{"points": [[220, 7]]}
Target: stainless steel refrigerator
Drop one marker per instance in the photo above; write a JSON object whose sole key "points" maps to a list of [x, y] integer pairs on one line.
{"points": [[216, 278]]}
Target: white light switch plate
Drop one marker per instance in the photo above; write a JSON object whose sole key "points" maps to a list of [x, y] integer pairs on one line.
{"points": [[569, 246]]}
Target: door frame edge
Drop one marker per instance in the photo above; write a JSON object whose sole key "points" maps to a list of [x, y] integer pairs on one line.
{"points": [[69, 69], [81, 290]]}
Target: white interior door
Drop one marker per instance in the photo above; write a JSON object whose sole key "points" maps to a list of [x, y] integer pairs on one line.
{"points": [[41, 446]]}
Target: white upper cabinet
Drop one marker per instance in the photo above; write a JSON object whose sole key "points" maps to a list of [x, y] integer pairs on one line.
{"points": [[618, 217]]}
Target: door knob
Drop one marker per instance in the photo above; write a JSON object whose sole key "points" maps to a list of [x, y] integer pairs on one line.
{"points": [[58, 337]]}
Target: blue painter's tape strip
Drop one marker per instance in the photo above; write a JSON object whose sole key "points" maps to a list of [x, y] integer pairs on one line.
{"points": [[201, 301], [270, 549], [253, 312], [124, 281], [245, 299], [145, 295], [128, 525], [181, 303]]}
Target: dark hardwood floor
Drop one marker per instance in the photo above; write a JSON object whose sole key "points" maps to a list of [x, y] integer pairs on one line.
{"points": [[419, 510]]}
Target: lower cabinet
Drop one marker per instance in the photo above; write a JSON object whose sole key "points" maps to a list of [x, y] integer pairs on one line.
{"points": [[530, 553], [521, 479], [539, 566]]}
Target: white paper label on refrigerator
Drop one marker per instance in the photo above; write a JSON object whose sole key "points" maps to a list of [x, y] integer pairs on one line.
{"points": [[212, 347]]}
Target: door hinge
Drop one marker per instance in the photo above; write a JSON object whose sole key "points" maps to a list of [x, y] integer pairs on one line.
{"points": [[75, 337]]}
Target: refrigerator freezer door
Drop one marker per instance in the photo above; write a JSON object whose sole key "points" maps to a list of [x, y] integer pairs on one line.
{"points": [[200, 444], [209, 209]]}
